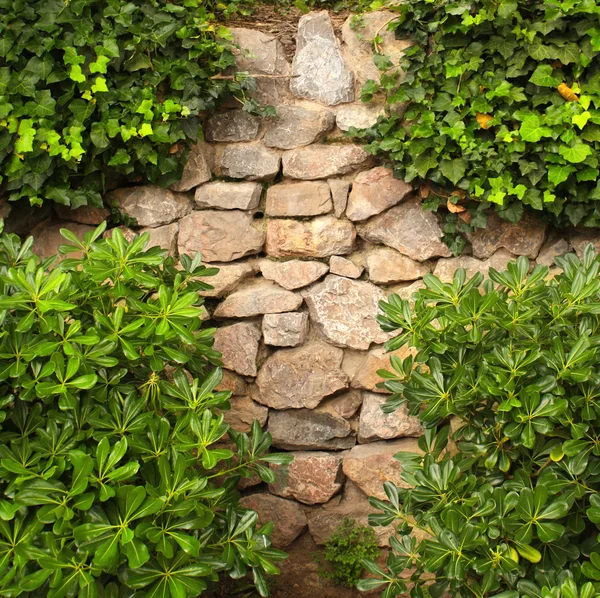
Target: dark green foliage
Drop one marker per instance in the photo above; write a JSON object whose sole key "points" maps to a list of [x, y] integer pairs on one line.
{"points": [[115, 477], [499, 63], [344, 552], [89, 86], [512, 504]]}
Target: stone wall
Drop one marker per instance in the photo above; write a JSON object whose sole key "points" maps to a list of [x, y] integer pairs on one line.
{"points": [[309, 234]]}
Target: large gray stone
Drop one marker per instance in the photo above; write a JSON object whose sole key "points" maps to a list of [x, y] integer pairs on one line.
{"points": [[374, 191], [345, 311], [285, 330], [255, 298], [150, 205], [552, 249], [310, 429], [323, 161], [307, 198], [359, 116], [164, 237], [296, 126], [197, 169], [376, 425], [321, 237], [339, 194], [250, 161], [344, 267], [319, 70], [387, 266], [228, 196], [302, 377], [220, 236], [293, 274], [83, 215], [446, 268], [409, 229], [365, 374], [234, 125], [238, 345], [244, 411], [227, 278]]}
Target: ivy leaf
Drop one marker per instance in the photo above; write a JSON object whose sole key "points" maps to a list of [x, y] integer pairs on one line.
{"points": [[26, 134], [100, 85], [532, 130], [581, 119], [454, 170], [43, 106], [542, 76], [558, 173], [576, 153], [100, 65], [425, 162], [76, 74]]}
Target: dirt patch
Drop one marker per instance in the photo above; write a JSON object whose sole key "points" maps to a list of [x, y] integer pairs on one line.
{"points": [[282, 22]]}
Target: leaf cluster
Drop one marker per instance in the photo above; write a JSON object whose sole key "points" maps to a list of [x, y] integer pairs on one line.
{"points": [[118, 474], [504, 492]]}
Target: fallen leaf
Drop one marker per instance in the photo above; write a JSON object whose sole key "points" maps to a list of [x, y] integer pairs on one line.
{"points": [[567, 93], [424, 191], [465, 217], [455, 208], [484, 120]]}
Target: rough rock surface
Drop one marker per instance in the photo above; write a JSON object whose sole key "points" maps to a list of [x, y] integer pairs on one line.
{"points": [[250, 161], [359, 116], [310, 429], [343, 267], [220, 236], [376, 425], [227, 278], [243, 412], [319, 70], [151, 205], [164, 237], [232, 382], [285, 330], [580, 239], [552, 249], [293, 274], [339, 195], [321, 237], [296, 126], [374, 191], [307, 198], [445, 268], [409, 229], [345, 404], [525, 237], [345, 311], [302, 377], [287, 515], [313, 477], [229, 196], [47, 237], [83, 215], [370, 465], [238, 345], [323, 161], [197, 169], [256, 298], [387, 266], [366, 377], [234, 125]]}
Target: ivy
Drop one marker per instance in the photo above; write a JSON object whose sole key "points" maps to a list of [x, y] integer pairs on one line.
{"points": [[90, 87], [503, 106]]}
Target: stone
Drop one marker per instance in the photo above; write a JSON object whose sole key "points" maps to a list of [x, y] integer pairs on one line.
{"points": [[376, 425], [243, 412], [346, 404], [164, 237], [374, 191], [313, 477], [250, 161], [307, 198], [370, 465], [357, 47], [366, 376], [580, 239], [228, 196], [319, 71], [409, 229], [238, 345], [552, 249], [310, 429], [287, 515], [409, 291], [387, 266], [219, 236], [339, 195], [301, 377], [234, 125], [263, 54], [446, 268], [293, 274], [47, 238], [345, 311], [258, 297], [317, 238], [285, 330], [323, 521], [83, 215], [197, 169], [296, 126], [359, 116], [323, 161], [150, 205], [525, 237], [343, 267], [227, 278], [233, 383]]}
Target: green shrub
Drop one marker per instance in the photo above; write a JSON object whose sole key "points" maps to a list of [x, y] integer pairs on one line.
{"points": [[486, 117], [114, 475], [341, 560], [512, 504], [90, 86]]}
